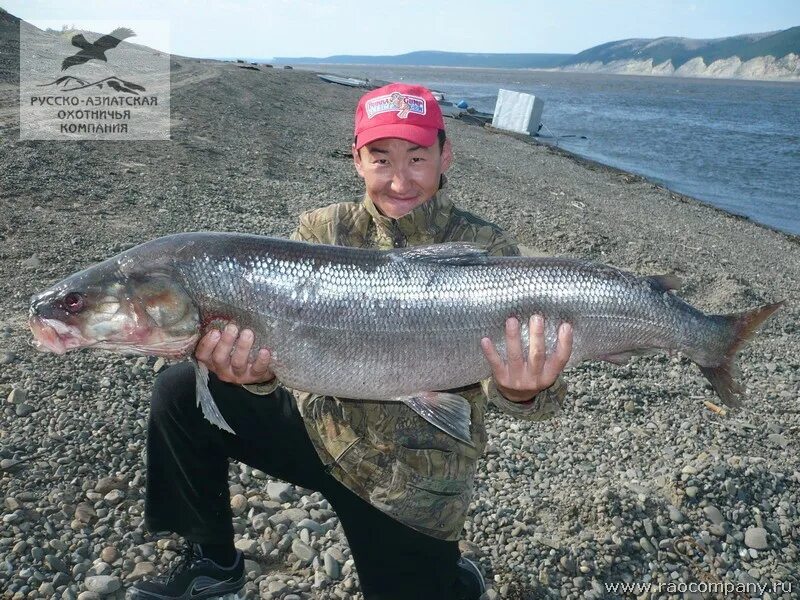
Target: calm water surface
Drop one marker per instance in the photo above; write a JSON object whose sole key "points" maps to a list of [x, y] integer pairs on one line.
{"points": [[733, 144]]}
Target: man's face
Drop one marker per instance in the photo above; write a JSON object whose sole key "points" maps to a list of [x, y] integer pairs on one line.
{"points": [[400, 175]]}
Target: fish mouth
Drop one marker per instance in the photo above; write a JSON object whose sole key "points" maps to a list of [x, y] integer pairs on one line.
{"points": [[52, 335]]}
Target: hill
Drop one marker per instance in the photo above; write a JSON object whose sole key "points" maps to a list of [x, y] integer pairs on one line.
{"points": [[771, 55], [433, 58], [681, 50]]}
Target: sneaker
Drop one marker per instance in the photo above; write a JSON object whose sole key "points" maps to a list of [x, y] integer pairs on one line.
{"points": [[192, 578], [470, 581]]}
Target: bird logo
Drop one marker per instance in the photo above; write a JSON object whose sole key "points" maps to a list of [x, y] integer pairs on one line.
{"points": [[96, 50]]}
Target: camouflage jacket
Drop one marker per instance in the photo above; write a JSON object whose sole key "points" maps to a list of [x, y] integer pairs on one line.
{"points": [[382, 451]]}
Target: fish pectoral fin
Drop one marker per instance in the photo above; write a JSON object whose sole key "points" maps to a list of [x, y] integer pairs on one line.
{"points": [[449, 412], [205, 400], [451, 253], [666, 283]]}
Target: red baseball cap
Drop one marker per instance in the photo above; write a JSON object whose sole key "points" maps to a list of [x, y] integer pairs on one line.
{"points": [[397, 110]]}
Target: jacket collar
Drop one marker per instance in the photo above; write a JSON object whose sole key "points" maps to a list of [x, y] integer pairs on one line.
{"points": [[427, 221]]}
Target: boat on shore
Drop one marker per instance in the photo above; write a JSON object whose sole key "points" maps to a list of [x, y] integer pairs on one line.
{"points": [[367, 84]]}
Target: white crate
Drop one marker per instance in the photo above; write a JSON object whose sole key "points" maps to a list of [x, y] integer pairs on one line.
{"points": [[517, 112]]}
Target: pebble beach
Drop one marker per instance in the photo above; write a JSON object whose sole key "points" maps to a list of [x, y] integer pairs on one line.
{"points": [[638, 481]]}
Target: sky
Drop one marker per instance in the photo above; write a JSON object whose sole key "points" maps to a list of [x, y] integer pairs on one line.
{"points": [[269, 28]]}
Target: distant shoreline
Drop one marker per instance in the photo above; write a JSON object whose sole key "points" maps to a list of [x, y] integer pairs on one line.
{"points": [[571, 71], [771, 56]]}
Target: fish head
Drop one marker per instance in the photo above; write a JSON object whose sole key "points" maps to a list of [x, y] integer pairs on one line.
{"points": [[124, 304]]}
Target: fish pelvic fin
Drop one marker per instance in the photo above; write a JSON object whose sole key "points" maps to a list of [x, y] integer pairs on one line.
{"points": [[724, 377], [449, 412], [205, 400], [623, 358]]}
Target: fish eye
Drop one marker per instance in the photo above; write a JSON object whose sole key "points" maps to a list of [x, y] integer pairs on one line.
{"points": [[73, 302]]}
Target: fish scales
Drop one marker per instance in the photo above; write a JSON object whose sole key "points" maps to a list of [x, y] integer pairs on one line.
{"points": [[333, 316]]}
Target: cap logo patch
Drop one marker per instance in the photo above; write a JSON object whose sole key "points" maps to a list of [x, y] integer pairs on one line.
{"points": [[402, 104]]}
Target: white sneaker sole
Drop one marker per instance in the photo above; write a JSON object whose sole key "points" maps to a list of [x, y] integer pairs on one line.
{"points": [[470, 566]]}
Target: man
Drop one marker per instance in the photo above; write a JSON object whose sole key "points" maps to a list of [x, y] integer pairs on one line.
{"points": [[400, 487]]}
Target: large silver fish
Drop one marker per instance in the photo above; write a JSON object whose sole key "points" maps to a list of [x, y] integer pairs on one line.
{"points": [[391, 325]]}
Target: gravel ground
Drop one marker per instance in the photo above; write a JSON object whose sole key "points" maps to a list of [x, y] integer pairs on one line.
{"points": [[602, 494]]}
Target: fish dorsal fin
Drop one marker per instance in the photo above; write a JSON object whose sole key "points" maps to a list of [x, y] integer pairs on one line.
{"points": [[451, 253], [666, 283]]}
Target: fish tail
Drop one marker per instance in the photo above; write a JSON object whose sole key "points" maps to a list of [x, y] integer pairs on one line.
{"points": [[724, 377]]}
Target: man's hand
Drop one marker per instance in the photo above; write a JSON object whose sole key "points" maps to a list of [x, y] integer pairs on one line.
{"points": [[227, 355], [521, 378]]}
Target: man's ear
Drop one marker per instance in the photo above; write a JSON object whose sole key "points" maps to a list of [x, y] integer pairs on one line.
{"points": [[357, 161], [447, 155]]}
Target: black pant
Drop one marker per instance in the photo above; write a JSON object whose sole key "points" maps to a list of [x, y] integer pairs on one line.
{"points": [[187, 484]]}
